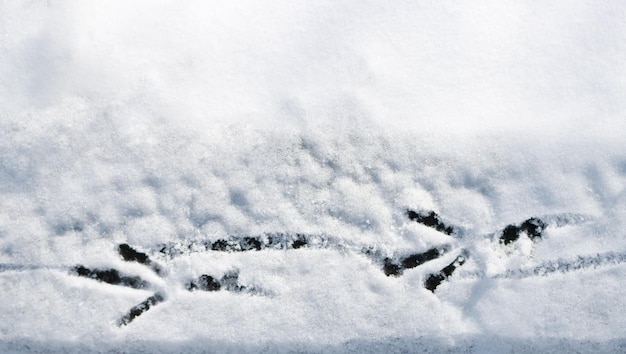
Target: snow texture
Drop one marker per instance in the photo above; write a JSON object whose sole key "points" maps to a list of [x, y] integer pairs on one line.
{"points": [[134, 134]]}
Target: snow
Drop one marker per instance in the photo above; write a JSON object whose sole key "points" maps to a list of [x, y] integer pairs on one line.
{"points": [[157, 122]]}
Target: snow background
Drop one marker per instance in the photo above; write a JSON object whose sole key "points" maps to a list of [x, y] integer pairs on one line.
{"points": [[155, 121]]}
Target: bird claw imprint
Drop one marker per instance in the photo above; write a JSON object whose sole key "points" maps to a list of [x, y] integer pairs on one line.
{"points": [[228, 282], [392, 266]]}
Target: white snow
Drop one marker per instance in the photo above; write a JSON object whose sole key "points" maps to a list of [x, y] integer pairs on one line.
{"points": [[152, 122]]}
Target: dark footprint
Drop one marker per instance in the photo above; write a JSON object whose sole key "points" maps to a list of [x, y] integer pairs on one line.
{"points": [[229, 282], [434, 280], [430, 219], [533, 227], [110, 276], [140, 308], [131, 255]]}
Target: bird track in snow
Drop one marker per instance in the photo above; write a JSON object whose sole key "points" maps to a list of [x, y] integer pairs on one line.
{"points": [[392, 265]]}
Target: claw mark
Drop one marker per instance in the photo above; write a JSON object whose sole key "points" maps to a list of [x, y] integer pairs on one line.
{"points": [[140, 308], [228, 282], [113, 276], [432, 220], [434, 280], [110, 276], [395, 268], [415, 260], [131, 255]]}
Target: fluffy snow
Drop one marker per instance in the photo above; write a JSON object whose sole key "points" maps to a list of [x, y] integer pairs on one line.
{"points": [[152, 122]]}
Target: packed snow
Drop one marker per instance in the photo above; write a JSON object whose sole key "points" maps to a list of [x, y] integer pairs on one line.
{"points": [[169, 125]]}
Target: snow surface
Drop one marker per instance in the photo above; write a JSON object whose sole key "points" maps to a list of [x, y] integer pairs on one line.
{"points": [[150, 122]]}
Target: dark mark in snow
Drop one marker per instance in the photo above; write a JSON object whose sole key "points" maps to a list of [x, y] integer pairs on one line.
{"points": [[430, 219], [279, 241], [131, 255], [509, 234], [558, 266], [415, 260], [140, 308], [204, 283], [63, 228], [434, 280], [4, 267], [250, 243], [247, 243], [228, 282], [110, 276], [564, 266], [395, 268], [391, 266], [299, 242], [532, 227], [219, 245]]}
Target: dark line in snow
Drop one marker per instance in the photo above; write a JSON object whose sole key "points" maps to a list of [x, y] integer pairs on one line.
{"points": [[558, 266], [110, 276], [131, 255], [533, 228], [140, 308], [5, 267], [395, 267], [228, 282], [391, 266], [432, 220], [434, 280]]}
